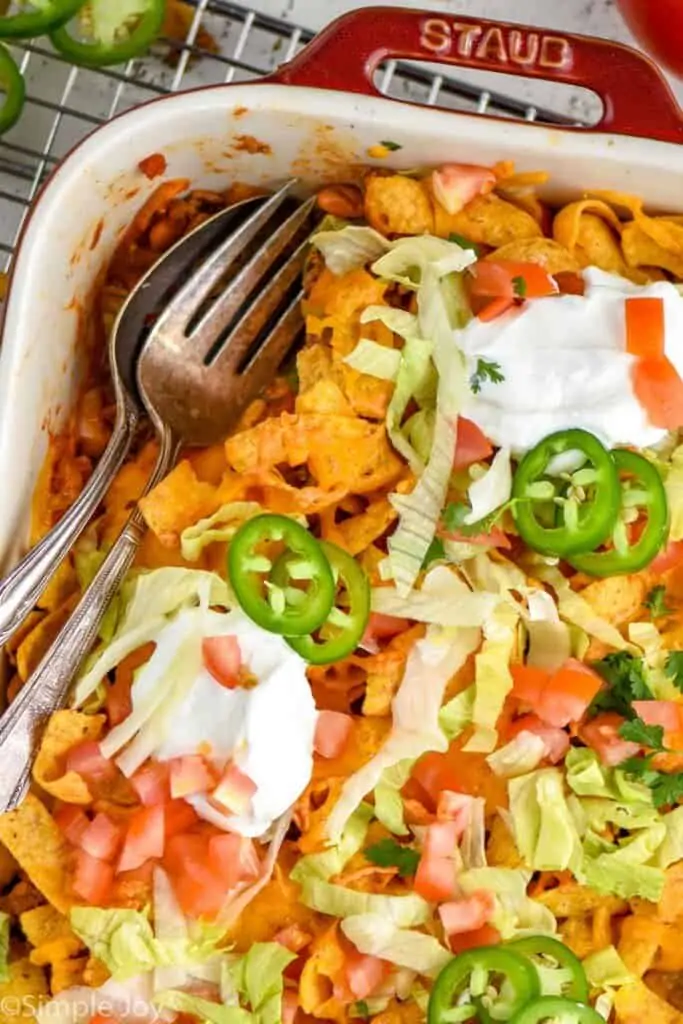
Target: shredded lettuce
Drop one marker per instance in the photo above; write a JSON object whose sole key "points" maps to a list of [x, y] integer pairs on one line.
{"points": [[338, 901], [575, 609], [350, 247], [588, 777], [456, 715], [673, 485], [221, 526], [473, 842], [125, 943], [443, 599], [202, 1009], [419, 432], [624, 869], [4, 946], [491, 490], [544, 829], [258, 979], [549, 637], [492, 680], [79, 1003], [388, 803], [416, 706], [516, 914], [148, 601], [521, 755], [411, 259], [374, 359], [377, 935], [331, 861], [606, 968], [671, 849]]}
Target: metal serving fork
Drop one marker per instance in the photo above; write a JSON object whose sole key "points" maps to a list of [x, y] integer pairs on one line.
{"points": [[21, 588], [203, 360]]}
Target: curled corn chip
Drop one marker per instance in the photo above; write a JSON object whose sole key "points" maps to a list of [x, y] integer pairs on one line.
{"points": [[341, 452], [396, 205], [37, 642], [356, 533], [567, 223], [574, 900], [636, 1003], [33, 839], [323, 967], [639, 940], [178, 501], [553, 257], [385, 671], [44, 925], [20, 996], [487, 220], [640, 250], [65, 729]]}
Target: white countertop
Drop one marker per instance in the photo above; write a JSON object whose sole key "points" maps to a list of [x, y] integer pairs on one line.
{"points": [[591, 17]]}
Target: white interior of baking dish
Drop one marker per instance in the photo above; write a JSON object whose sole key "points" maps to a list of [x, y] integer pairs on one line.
{"points": [[313, 134]]}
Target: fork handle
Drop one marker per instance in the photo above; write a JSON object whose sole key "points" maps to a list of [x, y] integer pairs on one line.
{"points": [[46, 689], [20, 590]]}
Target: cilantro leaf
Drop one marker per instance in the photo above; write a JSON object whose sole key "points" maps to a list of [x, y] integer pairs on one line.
{"points": [[435, 553], [387, 853], [463, 242], [674, 668], [519, 285], [667, 788], [637, 731], [485, 371], [655, 602], [392, 146], [625, 676], [361, 1009]]}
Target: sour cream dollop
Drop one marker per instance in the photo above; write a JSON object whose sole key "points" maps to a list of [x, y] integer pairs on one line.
{"points": [[565, 365], [266, 729]]}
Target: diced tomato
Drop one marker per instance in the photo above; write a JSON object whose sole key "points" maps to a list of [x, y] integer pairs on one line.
{"points": [[119, 703], [528, 683], [645, 327], [510, 279], [602, 735], [468, 913], [456, 807], [204, 868], [235, 790], [364, 974], [332, 732], [455, 185], [486, 936], [223, 659], [435, 878], [87, 760], [569, 691], [659, 389], [493, 309], [495, 538], [472, 444], [293, 938], [151, 783], [93, 878], [102, 838], [233, 858], [145, 838], [556, 740], [72, 821], [179, 817], [383, 627], [569, 282], [667, 713], [441, 838], [190, 774], [290, 1006], [669, 558], [434, 774]]}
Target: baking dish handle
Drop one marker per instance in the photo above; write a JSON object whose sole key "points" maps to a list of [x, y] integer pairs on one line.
{"points": [[636, 97]]}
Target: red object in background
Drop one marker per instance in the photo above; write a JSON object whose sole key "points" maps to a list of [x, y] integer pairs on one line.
{"points": [[658, 27]]}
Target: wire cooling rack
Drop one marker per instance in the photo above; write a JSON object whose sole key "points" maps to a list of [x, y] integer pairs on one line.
{"points": [[213, 41]]}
